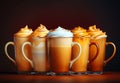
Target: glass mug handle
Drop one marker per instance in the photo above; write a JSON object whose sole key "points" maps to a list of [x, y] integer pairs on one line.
{"points": [[24, 55], [6, 51], [114, 51], [93, 43], [79, 54]]}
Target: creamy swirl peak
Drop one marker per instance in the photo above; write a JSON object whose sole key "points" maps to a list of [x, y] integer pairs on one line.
{"points": [[96, 32], [80, 32], [24, 32], [60, 32], [41, 31]]}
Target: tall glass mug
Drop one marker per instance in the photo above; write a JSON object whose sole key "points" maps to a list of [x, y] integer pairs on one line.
{"points": [[19, 38], [80, 65], [60, 52], [97, 62], [22, 65], [39, 59], [83, 38]]}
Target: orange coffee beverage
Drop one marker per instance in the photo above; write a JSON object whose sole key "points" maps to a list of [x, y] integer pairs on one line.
{"points": [[60, 50], [19, 38], [83, 38], [38, 43], [97, 62]]}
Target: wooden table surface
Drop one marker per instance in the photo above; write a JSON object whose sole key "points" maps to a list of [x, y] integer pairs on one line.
{"points": [[20, 78]]}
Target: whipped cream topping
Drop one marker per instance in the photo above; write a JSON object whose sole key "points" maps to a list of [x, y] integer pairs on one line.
{"points": [[96, 32], [60, 32], [41, 31], [24, 32], [80, 32]]}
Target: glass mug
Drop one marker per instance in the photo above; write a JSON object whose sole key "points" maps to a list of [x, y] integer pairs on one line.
{"points": [[80, 65], [39, 60], [60, 52], [22, 65], [97, 62]]}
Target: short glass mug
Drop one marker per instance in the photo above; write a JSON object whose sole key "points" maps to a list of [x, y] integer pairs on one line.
{"points": [[39, 60], [22, 65], [97, 62], [80, 65], [60, 52]]}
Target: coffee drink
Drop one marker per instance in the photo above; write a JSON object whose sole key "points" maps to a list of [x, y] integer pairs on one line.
{"points": [[39, 51], [60, 50], [83, 38], [19, 38], [96, 62]]}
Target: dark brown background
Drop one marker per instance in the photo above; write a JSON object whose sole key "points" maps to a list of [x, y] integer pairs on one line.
{"points": [[54, 13]]}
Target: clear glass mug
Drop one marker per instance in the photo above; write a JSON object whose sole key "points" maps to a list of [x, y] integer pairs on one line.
{"points": [[60, 52], [22, 65], [39, 60], [97, 62], [80, 65]]}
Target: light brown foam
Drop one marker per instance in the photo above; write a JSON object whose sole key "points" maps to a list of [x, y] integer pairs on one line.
{"points": [[41, 31], [96, 32], [80, 32], [24, 32]]}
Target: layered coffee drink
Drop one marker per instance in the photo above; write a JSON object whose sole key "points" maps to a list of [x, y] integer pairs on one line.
{"points": [[39, 50], [97, 55], [60, 50], [83, 38], [19, 38]]}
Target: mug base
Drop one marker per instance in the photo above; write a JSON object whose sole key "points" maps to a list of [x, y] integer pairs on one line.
{"points": [[57, 74], [38, 73], [77, 73], [24, 72], [95, 72]]}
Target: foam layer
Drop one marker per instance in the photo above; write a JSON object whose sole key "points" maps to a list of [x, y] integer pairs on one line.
{"points": [[41, 31], [23, 32], [80, 32], [96, 32], [60, 32]]}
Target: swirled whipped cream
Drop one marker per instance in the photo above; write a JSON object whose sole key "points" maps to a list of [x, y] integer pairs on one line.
{"points": [[23, 32], [96, 32], [60, 32], [80, 32], [41, 31]]}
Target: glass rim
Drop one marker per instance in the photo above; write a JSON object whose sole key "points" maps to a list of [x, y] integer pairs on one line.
{"points": [[98, 37], [20, 37], [59, 37], [65, 37]]}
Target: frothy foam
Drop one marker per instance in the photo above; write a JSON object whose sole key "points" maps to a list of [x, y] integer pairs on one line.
{"points": [[60, 32], [96, 32], [80, 32], [41, 31], [24, 32]]}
